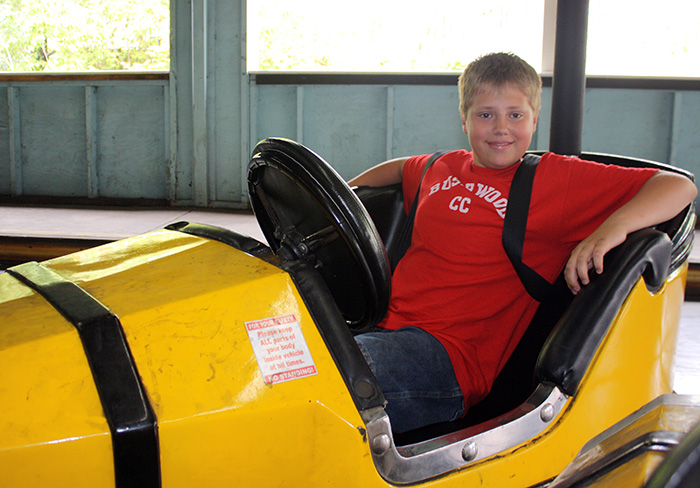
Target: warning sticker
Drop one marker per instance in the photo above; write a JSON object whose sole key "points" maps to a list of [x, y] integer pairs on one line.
{"points": [[280, 349]]}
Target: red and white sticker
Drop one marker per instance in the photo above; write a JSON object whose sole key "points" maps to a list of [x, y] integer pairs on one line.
{"points": [[280, 349]]}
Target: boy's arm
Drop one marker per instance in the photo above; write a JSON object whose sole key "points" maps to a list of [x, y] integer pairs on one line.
{"points": [[661, 198], [386, 173]]}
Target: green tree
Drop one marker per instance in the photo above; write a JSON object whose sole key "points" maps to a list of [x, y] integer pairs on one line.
{"points": [[84, 35]]}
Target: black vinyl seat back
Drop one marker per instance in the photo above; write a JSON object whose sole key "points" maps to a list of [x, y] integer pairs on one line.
{"points": [[565, 333], [385, 206]]}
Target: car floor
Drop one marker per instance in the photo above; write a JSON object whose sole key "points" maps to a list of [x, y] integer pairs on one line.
{"points": [[97, 224]]}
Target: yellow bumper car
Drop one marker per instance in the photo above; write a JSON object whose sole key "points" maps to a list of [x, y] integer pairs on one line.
{"points": [[197, 356]]}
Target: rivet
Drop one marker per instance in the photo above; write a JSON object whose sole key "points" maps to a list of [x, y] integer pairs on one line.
{"points": [[364, 389], [469, 451], [547, 412], [381, 444]]}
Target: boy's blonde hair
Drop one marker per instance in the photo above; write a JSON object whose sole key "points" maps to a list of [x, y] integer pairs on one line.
{"points": [[497, 70]]}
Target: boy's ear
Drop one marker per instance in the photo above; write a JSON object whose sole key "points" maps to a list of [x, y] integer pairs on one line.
{"points": [[534, 128], [464, 125]]}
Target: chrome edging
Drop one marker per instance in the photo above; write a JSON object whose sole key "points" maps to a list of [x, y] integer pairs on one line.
{"points": [[435, 457], [668, 399], [659, 426]]}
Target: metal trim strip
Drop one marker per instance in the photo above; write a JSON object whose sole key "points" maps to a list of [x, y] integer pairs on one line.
{"points": [[129, 414], [430, 459]]}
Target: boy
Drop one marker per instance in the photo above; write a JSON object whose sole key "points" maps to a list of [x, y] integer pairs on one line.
{"points": [[458, 308]]}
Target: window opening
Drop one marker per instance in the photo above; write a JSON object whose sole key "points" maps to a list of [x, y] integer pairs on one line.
{"points": [[84, 35]]}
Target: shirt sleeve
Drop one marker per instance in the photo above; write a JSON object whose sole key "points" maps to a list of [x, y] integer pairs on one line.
{"points": [[412, 173], [589, 192]]}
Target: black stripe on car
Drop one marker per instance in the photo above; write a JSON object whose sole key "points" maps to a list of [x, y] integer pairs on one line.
{"points": [[128, 412]]}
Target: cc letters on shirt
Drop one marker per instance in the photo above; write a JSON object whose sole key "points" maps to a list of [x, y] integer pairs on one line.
{"points": [[461, 203]]}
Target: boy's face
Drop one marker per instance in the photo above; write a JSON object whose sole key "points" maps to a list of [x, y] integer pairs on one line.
{"points": [[500, 123]]}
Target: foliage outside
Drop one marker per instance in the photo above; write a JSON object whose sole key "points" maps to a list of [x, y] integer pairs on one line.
{"points": [[365, 35], [394, 35], [386, 35], [84, 35]]}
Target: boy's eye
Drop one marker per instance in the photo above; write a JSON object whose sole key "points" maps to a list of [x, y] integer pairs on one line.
{"points": [[516, 115], [484, 115]]}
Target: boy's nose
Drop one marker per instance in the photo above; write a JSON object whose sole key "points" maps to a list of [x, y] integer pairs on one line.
{"points": [[501, 125]]}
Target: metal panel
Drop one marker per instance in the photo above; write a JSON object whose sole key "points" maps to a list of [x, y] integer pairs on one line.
{"points": [[131, 149], [225, 103], [631, 122], [65, 137], [685, 142], [200, 76], [427, 119], [13, 118], [5, 173], [6, 170], [182, 188], [91, 140], [209, 85], [275, 109], [541, 139], [346, 125], [53, 147]]}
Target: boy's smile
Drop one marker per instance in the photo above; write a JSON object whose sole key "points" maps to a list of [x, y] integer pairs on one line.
{"points": [[500, 123]]}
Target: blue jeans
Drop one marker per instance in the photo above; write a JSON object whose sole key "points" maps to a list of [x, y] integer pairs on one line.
{"points": [[415, 375]]}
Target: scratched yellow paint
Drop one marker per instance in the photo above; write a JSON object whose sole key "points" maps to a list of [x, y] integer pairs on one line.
{"points": [[184, 303], [52, 429], [184, 308]]}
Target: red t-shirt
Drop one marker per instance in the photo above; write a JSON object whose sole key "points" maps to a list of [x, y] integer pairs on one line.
{"points": [[456, 281]]}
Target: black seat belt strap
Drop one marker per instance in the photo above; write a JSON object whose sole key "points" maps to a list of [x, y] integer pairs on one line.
{"points": [[514, 226], [404, 238]]}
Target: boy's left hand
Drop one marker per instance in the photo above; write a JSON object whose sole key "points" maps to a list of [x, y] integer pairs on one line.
{"points": [[589, 254], [660, 198]]}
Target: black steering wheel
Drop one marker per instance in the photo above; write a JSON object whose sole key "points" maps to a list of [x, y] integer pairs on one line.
{"points": [[307, 212]]}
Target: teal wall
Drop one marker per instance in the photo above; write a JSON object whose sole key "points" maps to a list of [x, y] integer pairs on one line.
{"points": [[186, 136], [355, 126]]}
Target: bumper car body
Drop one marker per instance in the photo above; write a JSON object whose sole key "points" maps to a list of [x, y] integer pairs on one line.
{"points": [[194, 354]]}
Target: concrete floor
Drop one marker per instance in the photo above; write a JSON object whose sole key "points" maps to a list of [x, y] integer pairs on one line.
{"points": [[112, 224], [687, 369]]}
